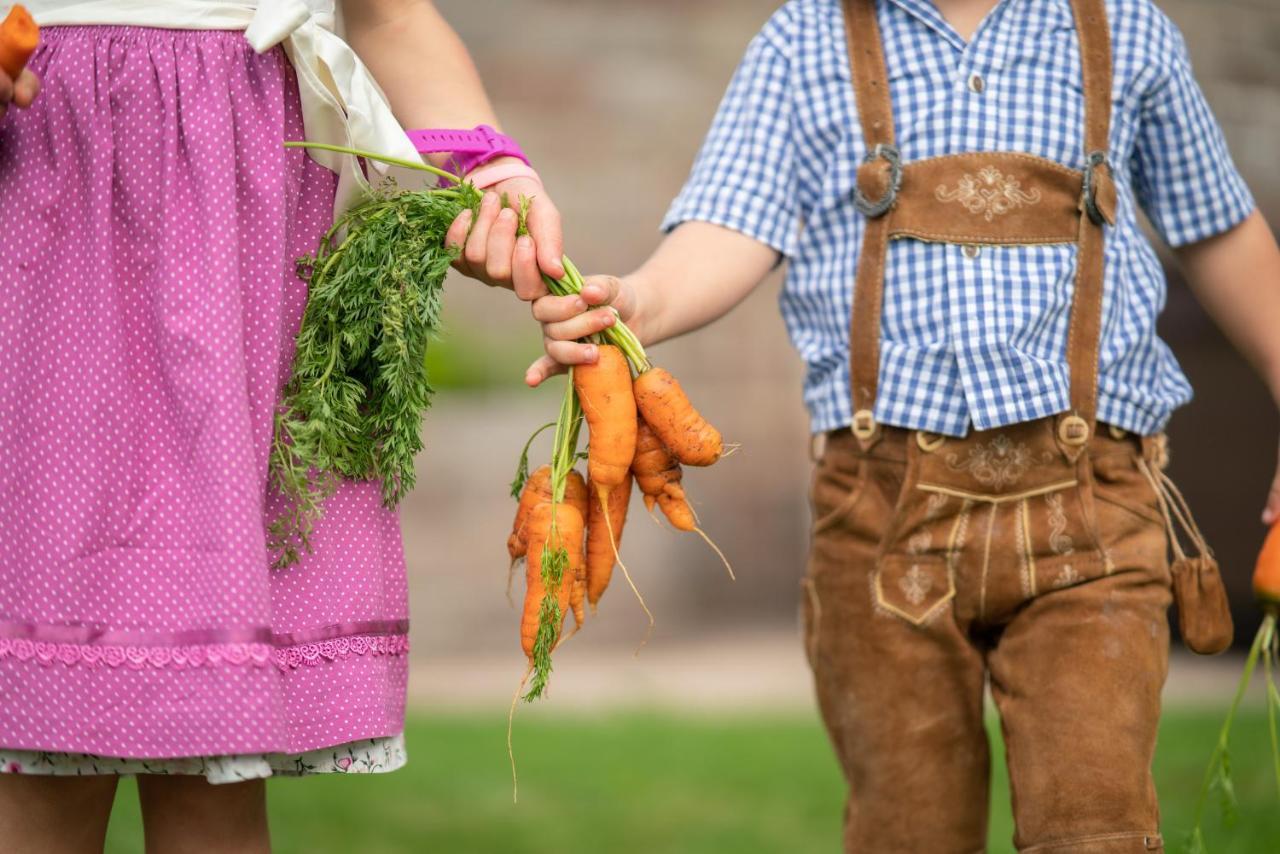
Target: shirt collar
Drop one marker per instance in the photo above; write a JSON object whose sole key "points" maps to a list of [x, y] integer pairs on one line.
{"points": [[928, 14]]}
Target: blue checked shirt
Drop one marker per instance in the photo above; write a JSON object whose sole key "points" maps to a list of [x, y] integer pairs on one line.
{"points": [[967, 342]]}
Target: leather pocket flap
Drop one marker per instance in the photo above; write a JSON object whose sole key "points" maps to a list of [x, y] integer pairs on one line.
{"points": [[913, 587]]}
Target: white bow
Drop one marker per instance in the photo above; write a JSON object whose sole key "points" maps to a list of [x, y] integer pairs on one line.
{"points": [[341, 102]]}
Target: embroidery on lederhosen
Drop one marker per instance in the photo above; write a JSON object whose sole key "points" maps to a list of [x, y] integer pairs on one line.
{"points": [[989, 194], [997, 463], [1060, 541]]}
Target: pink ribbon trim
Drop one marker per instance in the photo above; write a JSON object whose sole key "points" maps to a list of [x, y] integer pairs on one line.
{"points": [[89, 647]]}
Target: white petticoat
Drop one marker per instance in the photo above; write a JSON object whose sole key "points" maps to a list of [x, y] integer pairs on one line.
{"points": [[371, 756]]}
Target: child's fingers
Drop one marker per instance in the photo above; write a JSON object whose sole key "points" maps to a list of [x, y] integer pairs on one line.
{"points": [[554, 309], [26, 89], [478, 242], [571, 352], [456, 238], [526, 278], [601, 290], [501, 248], [610, 290], [542, 370], [581, 326], [545, 227]]}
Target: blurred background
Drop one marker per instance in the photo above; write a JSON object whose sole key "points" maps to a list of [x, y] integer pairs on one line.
{"points": [[707, 741]]}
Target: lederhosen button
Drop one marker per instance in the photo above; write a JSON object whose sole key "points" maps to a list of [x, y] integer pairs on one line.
{"points": [[1073, 431]]}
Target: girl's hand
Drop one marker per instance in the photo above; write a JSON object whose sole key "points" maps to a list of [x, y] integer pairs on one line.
{"points": [[20, 92], [491, 251], [604, 299]]}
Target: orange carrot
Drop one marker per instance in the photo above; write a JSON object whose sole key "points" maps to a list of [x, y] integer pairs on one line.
{"points": [[19, 37], [537, 489], [1266, 575], [681, 428], [604, 538], [675, 506], [604, 391], [659, 476], [576, 493], [567, 536], [653, 465]]}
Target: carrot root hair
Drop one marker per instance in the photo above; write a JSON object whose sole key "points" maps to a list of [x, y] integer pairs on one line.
{"points": [[511, 580], [511, 718], [716, 549], [613, 541], [731, 449]]}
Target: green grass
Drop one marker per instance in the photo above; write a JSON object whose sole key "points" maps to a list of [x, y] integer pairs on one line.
{"points": [[655, 784]]}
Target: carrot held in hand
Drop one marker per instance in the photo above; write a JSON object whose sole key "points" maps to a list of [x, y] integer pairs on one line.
{"points": [[659, 476], [681, 428], [609, 407], [19, 37], [604, 538], [555, 550], [537, 489]]}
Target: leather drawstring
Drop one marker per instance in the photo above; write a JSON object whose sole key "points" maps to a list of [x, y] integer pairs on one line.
{"points": [[1174, 506]]}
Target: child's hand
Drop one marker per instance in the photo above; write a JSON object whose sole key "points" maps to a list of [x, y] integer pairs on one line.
{"points": [[564, 320], [494, 255], [20, 92]]}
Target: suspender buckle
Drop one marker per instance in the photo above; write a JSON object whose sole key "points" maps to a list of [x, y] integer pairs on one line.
{"points": [[1091, 206], [864, 426], [878, 208]]}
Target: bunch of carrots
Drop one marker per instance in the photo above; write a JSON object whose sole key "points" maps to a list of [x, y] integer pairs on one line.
{"points": [[1266, 644], [642, 430]]}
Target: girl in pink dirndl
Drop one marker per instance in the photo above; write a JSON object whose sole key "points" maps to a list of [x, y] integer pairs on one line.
{"points": [[148, 305]]}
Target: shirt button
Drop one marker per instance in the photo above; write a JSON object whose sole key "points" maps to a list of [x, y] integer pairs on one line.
{"points": [[977, 84], [970, 251]]}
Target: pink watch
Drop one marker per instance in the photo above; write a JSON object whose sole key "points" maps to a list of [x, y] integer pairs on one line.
{"points": [[470, 148]]}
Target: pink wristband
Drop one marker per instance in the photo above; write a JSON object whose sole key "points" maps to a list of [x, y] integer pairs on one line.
{"points": [[470, 148], [486, 176]]}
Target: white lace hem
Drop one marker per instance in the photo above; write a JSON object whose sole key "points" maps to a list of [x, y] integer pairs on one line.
{"points": [[369, 756]]}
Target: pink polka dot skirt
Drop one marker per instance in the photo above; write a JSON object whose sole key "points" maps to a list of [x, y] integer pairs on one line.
{"points": [[148, 304]]}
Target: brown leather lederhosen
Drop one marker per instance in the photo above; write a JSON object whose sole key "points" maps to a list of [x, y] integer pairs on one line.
{"points": [[1032, 558]]}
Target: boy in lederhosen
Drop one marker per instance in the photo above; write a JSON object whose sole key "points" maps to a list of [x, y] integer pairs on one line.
{"points": [[976, 305]]}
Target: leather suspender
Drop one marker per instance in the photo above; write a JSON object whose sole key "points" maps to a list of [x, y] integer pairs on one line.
{"points": [[935, 199]]}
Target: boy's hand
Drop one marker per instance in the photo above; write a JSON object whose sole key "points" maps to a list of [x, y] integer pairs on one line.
{"points": [[604, 299], [20, 92], [493, 254]]}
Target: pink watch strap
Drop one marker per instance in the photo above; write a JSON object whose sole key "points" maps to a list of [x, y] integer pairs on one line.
{"points": [[470, 148], [487, 176]]}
